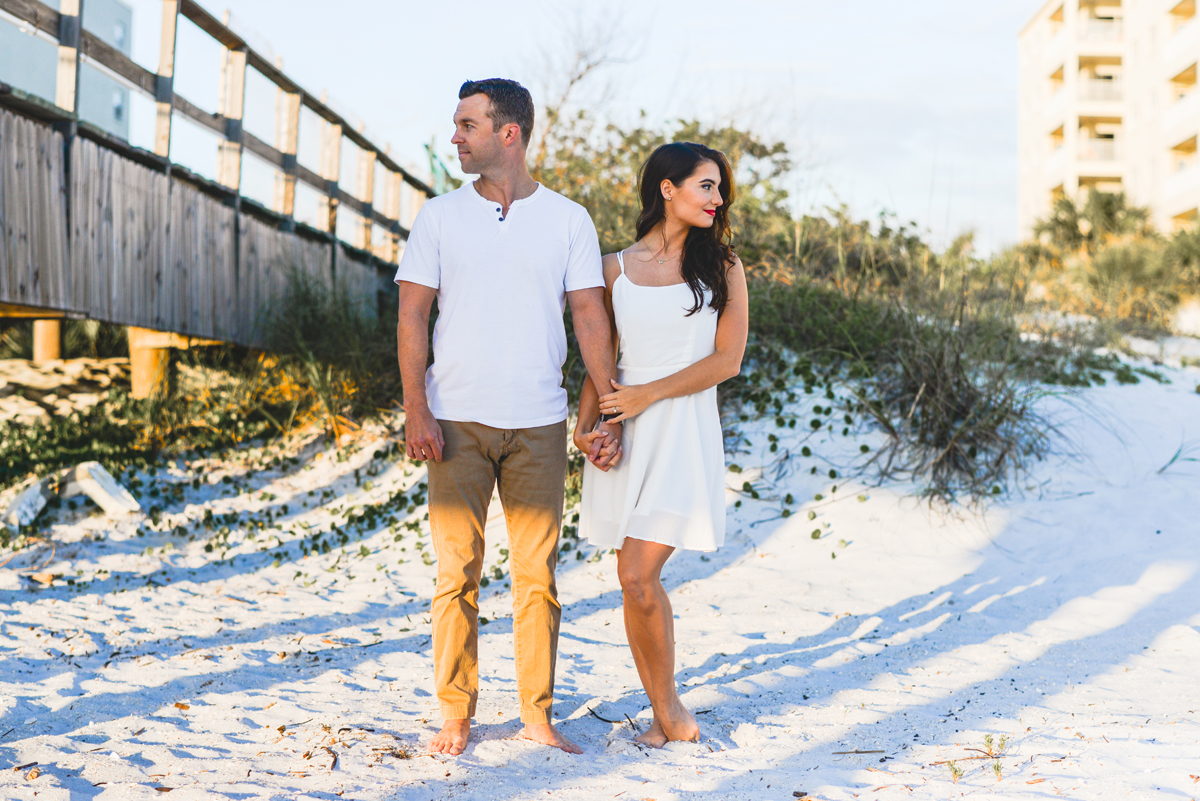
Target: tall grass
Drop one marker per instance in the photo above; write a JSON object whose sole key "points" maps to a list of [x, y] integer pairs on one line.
{"points": [[338, 348]]}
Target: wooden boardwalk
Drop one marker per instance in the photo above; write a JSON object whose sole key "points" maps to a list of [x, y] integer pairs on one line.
{"points": [[92, 227]]}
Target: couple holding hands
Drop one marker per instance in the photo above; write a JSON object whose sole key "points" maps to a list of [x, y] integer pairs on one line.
{"points": [[502, 256]]}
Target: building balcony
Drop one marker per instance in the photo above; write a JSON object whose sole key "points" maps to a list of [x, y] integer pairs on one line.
{"points": [[1182, 118], [1182, 188], [1101, 30], [1181, 46], [1102, 90], [1098, 149]]}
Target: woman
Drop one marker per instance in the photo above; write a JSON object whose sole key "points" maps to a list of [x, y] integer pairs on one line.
{"points": [[677, 300]]}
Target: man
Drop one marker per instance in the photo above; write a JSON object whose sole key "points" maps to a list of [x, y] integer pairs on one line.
{"points": [[500, 255]]}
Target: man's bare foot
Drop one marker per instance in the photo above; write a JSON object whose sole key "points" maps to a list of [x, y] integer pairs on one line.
{"points": [[655, 737], [546, 734], [452, 739], [678, 724]]}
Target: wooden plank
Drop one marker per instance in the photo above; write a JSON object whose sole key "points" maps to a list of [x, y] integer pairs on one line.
{"points": [[213, 122], [51, 256], [70, 26], [14, 312], [356, 205], [39, 15], [220, 252], [8, 271], [211, 25], [266, 152], [149, 338], [32, 214], [32, 106], [96, 49], [165, 87], [89, 270], [273, 73]]}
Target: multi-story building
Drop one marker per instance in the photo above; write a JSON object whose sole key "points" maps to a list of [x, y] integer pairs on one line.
{"points": [[30, 63], [1108, 103]]}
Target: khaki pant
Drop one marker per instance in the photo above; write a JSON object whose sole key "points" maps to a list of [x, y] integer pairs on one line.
{"points": [[530, 467]]}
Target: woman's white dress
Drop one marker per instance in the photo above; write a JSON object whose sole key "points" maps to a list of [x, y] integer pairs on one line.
{"points": [[670, 486]]}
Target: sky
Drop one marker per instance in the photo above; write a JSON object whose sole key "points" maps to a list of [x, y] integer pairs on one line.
{"points": [[908, 108]]}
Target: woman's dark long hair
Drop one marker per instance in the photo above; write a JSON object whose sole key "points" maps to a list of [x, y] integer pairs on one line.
{"points": [[707, 253]]}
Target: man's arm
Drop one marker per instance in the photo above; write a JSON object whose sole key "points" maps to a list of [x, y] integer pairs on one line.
{"points": [[423, 435], [594, 332]]}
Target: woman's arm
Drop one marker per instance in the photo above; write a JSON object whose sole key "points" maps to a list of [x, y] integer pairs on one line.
{"points": [[600, 443], [725, 362]]}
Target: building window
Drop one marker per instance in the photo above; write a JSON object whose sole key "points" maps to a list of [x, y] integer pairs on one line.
{"points": [[1100, 20], [1056, 81], [119, 35], [118, 105], [1100, 78], [1098, 138], [1056, 139]]}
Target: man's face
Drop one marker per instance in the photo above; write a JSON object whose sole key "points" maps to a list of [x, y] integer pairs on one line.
{"points": [[479, 145]]}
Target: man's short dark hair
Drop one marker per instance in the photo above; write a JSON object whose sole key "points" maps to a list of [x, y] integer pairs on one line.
{"points": [[510, 103]]}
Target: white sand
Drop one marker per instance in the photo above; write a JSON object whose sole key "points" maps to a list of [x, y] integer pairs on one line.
{"points": [[1065, 618]]}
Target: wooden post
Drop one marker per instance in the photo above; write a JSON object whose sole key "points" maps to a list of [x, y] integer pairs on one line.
{"points": [[70, 33], [366, 193], [47, 340], [165, 85], [148, 363], [416, 201], [391, 210], [331, 159], [287, 139], [233, 107]]}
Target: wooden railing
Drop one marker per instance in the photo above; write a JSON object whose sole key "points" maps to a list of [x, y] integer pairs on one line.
{"points": [[76, 44]]}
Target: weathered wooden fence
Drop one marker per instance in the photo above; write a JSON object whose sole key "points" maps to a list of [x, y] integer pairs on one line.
{"points": [[93, 227]]}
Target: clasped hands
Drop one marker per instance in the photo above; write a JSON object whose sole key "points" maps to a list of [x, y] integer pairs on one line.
{"points": [[603, 444]]}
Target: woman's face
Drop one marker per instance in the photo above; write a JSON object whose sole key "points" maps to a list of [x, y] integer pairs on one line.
{"points": [[695, 201]]}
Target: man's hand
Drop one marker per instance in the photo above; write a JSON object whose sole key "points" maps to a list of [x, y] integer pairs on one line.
{"points": [[601, 446], [609, 455], [423, 436]]}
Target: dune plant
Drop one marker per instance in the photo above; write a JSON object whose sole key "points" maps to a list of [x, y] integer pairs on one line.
{"points": [[338, 348]]}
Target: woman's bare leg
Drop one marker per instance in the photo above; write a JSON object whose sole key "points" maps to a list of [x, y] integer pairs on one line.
{"points": [[654, 736], [650, 627]]}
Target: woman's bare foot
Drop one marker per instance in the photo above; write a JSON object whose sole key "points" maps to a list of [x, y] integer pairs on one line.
{"points": [[678, 724], [452, 739], [655, 737], [546, 734]]}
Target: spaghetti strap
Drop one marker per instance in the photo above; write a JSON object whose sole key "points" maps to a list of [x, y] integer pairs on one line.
{"points": [[621, 260]]}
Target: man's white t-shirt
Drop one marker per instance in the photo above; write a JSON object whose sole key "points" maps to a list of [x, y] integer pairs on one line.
{"points": [[499, 342]]}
